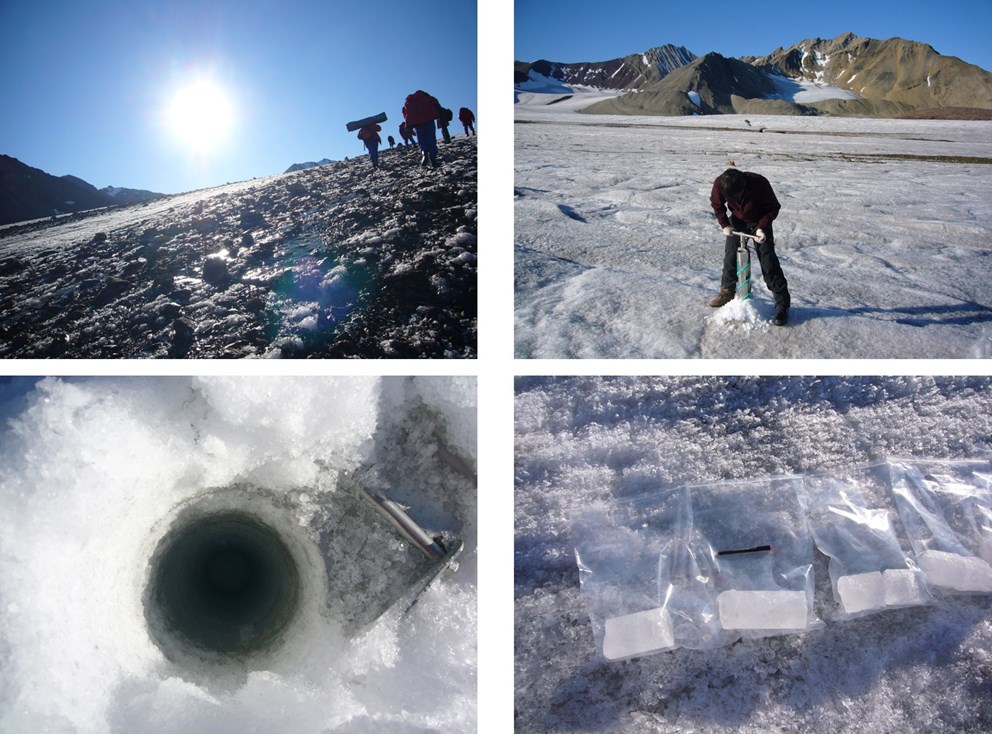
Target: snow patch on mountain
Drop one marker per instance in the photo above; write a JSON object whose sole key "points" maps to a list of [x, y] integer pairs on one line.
{"points": [[804, 90]]}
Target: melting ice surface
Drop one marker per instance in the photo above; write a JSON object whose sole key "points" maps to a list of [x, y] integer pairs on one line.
{"points": [[617, 252], [89, 468]]}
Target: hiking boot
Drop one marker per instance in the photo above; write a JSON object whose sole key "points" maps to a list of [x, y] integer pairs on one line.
{"points": [[434, 162], [781, 315], [423, 160], [782, 302], [725, 297]]}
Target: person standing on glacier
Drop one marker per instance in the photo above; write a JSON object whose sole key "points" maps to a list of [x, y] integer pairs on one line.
{"points": [[752, 207]]}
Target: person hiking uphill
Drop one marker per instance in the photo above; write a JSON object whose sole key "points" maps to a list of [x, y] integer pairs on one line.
{"points": [[419, 112], [467, 119], [753, 206], [444, 119], [370, 136]]}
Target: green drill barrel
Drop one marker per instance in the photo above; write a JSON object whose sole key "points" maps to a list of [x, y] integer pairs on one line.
{"points": [[743, 272]]}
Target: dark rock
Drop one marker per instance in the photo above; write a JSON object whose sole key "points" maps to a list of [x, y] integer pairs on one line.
{"points": [[55, 347], [171, 310], [215, 269], [251, 219], [113, 289], [205, 225], [12, 265], [163, 281], [182, 338]]}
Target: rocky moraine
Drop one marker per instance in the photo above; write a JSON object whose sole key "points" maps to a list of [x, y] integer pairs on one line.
{"points": [[337, 261]]}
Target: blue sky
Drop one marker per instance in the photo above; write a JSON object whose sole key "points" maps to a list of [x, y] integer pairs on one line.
{"points": [[86, 85], [582, 30]]}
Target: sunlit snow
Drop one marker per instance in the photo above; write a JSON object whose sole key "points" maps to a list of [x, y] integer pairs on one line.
{"points": [[90, 470], [883, 233], [804, 90]]}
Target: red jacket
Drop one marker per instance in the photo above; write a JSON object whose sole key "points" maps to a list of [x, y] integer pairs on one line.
{"points": [[465, 116], [370, 132], [420, 108], [757, 204]]}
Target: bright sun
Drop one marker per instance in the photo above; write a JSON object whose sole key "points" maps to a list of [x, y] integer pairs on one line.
{"points": [[200, 115]]}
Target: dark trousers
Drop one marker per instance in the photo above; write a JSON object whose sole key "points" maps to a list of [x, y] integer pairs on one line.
{"points": [[771, 269], [427, 139]]}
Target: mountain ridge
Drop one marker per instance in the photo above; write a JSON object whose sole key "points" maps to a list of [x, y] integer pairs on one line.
{"points": [[628, 72], [29, 193], [847, 76]]}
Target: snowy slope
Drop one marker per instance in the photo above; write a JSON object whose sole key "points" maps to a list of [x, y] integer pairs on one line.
{"points": [[584, 440], [79, 518], [884, 233]]}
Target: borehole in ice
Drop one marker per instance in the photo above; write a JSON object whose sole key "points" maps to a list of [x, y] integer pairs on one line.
{"points": [[226, 581]]}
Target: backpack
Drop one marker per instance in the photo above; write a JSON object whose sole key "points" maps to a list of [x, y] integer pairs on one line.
{"points": [[419, 109]]}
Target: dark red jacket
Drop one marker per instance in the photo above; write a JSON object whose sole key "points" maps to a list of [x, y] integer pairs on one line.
{"points": [[757, 204], [370, 132], [465, 116], [420, 108]]}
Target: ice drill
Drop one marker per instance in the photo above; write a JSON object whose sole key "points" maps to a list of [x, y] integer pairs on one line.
{"points": [[743, 265]]}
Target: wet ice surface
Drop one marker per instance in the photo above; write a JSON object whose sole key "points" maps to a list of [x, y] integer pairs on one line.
{"points": [[335, 261], [884, 235], [585, 440]]}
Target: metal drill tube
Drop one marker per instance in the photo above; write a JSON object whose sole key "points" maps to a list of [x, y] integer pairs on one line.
{"points": [[743, 272], [406, 525]]}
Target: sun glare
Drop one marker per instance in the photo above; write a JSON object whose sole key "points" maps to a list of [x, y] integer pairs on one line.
{"points": [[200, 115]]}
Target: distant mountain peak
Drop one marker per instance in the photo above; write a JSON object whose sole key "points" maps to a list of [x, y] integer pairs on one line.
{"points": [[308, 164], [625, 73], [846, 75], [130, 196]]}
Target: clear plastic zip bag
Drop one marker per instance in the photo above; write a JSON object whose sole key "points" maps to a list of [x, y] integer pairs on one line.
{"points": [[946, 507], [870, 571], [643, 592], [751, 542]]}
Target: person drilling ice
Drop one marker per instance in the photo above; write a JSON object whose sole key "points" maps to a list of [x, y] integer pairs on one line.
{"points": [[752, 208]]}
